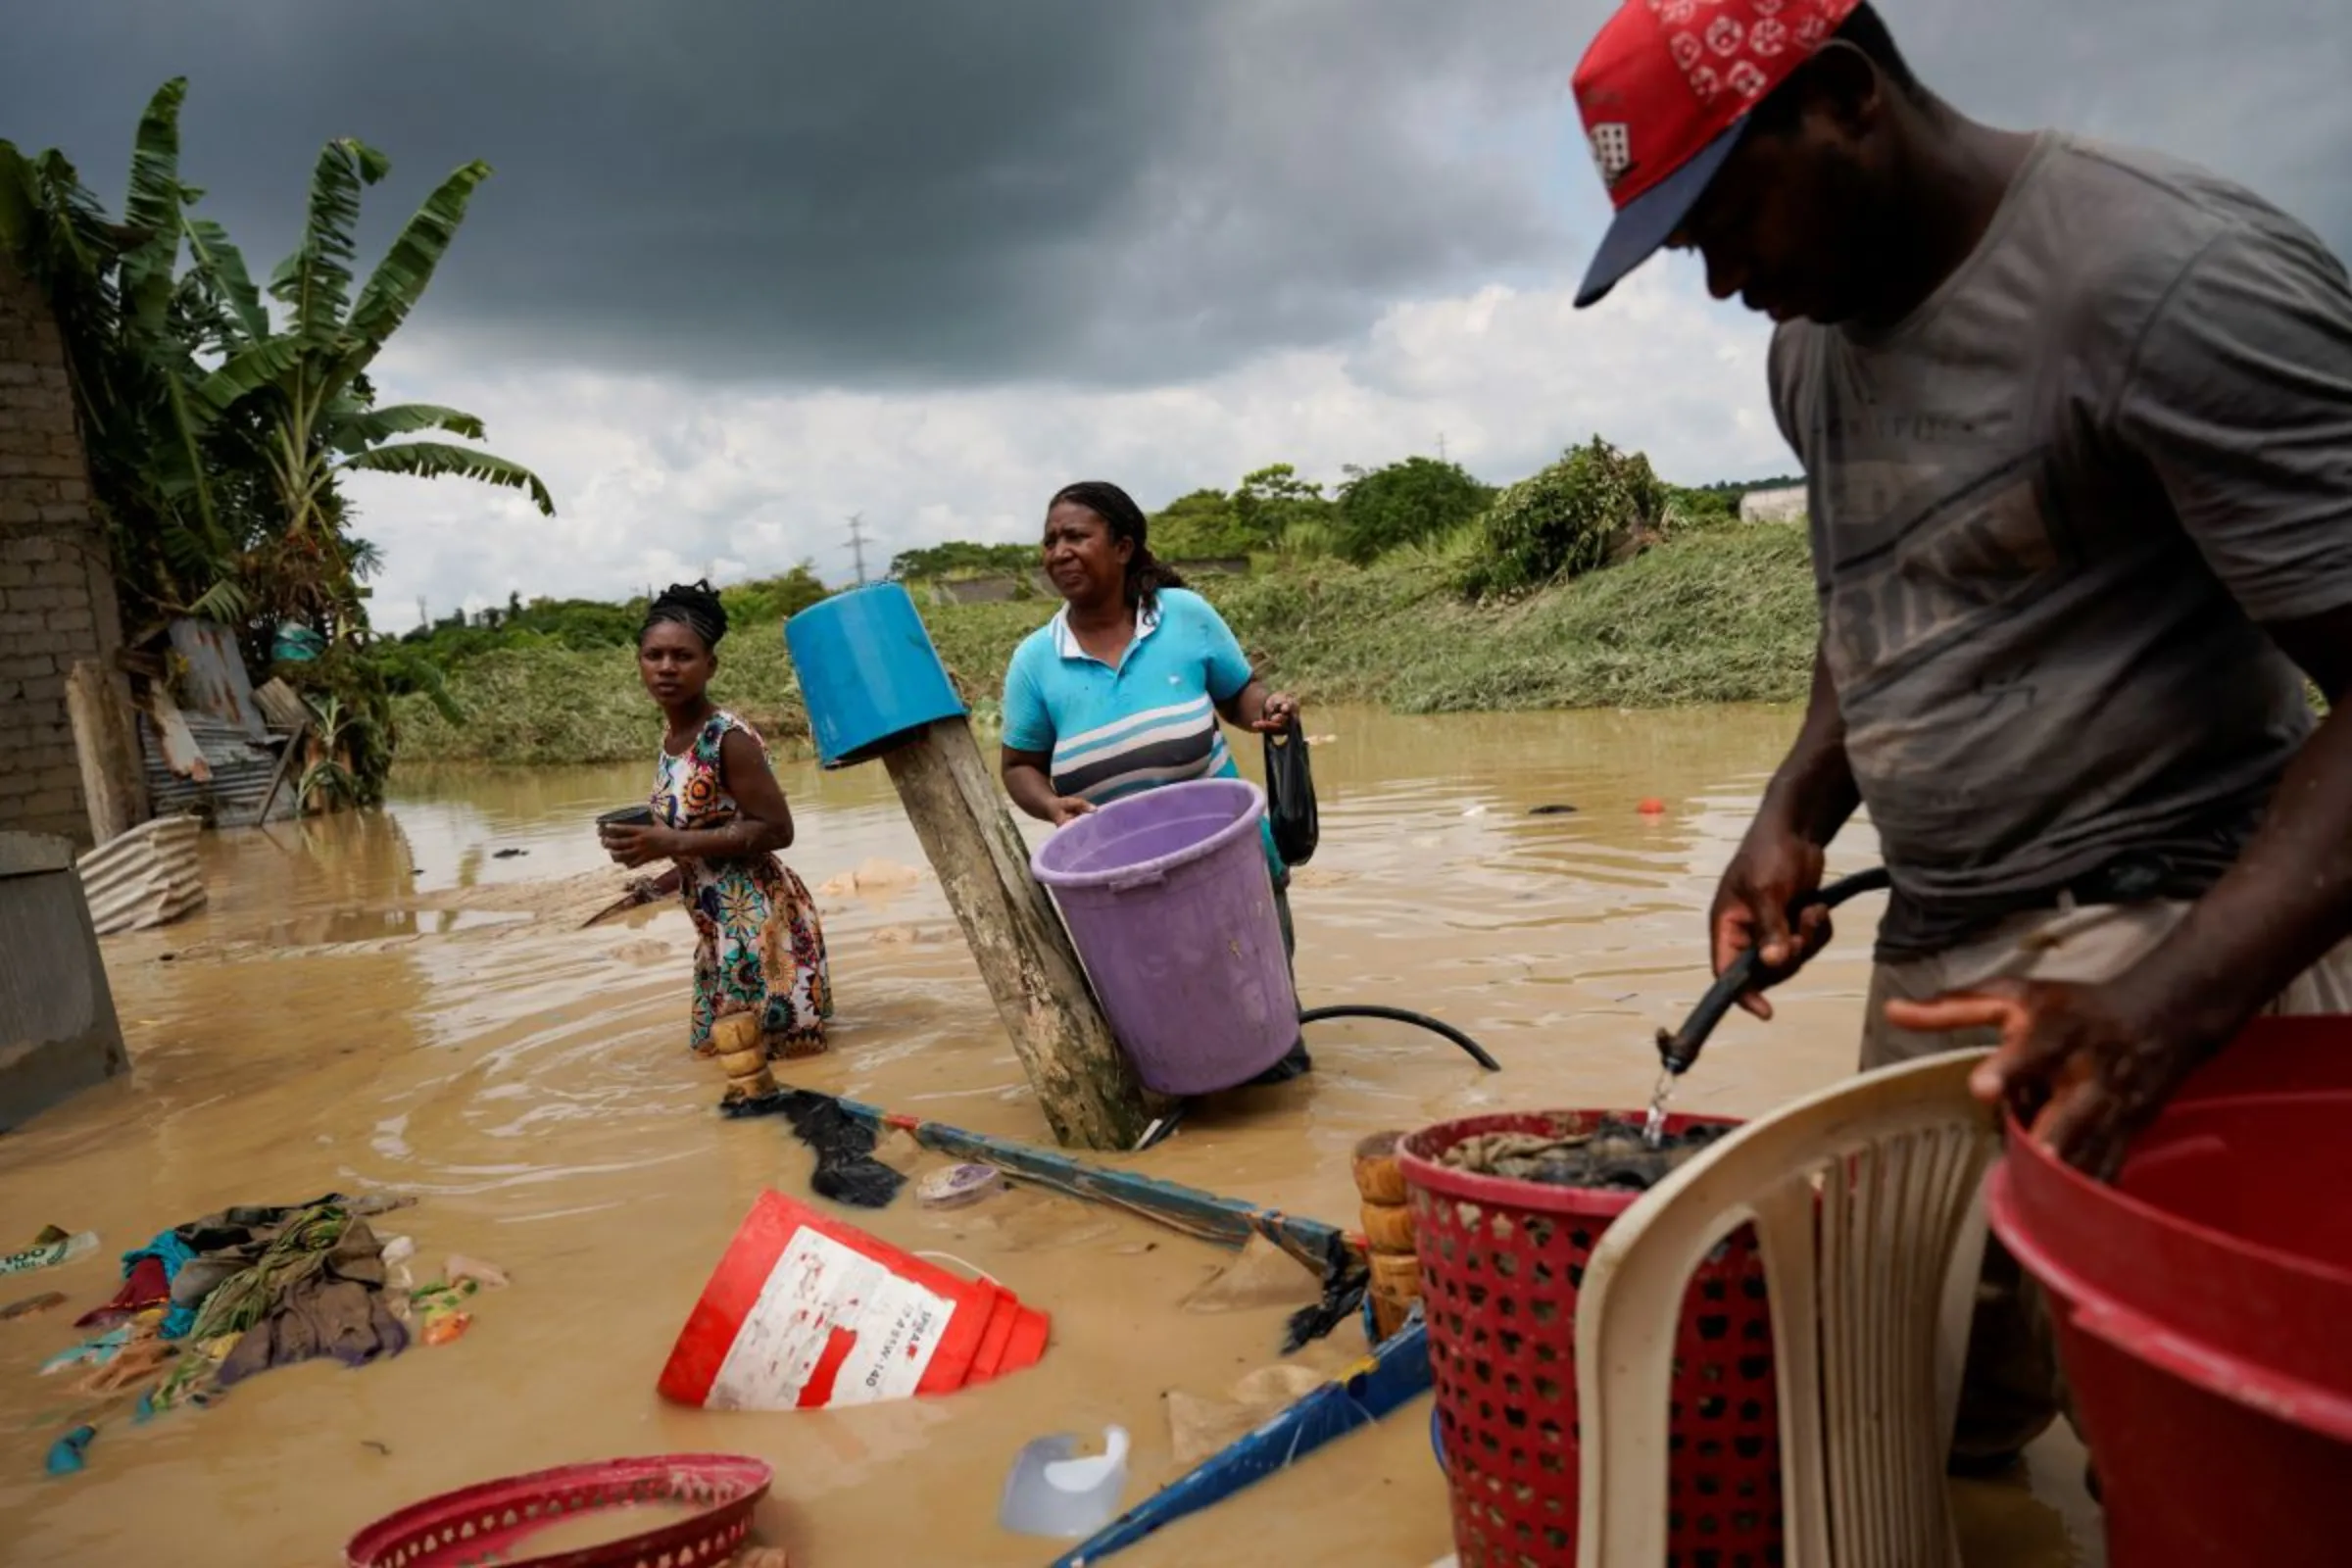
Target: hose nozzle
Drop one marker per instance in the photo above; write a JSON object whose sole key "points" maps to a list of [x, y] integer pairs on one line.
{"points": [[1675, 1053], [1679, 1052]]}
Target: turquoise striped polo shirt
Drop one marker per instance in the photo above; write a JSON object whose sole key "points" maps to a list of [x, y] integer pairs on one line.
{"points": [[1153, 721]]}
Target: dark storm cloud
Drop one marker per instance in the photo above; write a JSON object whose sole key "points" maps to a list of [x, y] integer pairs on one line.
{"points": [[931, 192], [899, 190]]}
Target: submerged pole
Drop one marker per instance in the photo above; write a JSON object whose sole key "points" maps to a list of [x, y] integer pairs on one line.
{"points": [[875, 687], [1090, 1093]]}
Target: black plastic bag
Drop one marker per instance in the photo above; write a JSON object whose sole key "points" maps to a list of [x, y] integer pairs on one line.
{"points": [[1291, 795]]}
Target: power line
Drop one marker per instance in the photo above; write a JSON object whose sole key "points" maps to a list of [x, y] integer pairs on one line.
{"points": [[857, 544]]}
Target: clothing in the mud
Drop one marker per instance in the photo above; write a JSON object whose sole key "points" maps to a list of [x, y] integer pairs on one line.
{"points": [[204, 1252], [331, 1302], [240, 1265], [439, 1310], [758, 946], [2051, 511], [149, 1284], [294, 1253], [847, 1171], [68, 1454]]}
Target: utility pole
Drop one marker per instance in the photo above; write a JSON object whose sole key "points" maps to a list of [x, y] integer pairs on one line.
{"points": [[1441, 446], [424, 620], [858, 545]]}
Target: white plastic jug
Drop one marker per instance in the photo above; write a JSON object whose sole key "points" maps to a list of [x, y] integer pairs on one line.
{"points": [[1051, 1493]]}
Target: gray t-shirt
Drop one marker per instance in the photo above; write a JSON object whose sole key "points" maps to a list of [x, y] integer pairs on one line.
{"points": [[2050, 512]]}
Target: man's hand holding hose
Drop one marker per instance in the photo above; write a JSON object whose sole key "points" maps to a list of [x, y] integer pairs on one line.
{"points": [[1780, 859], [1773, 869]]}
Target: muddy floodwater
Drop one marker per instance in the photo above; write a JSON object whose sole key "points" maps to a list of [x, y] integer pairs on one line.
{"points": [[399, 1000]]}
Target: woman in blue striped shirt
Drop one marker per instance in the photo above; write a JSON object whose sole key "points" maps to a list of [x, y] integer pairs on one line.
{"points": [[1122, 690]]}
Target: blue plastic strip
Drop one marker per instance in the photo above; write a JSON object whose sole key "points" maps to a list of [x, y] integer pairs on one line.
{"points": [[1390, 1377], [1205, 1216]]}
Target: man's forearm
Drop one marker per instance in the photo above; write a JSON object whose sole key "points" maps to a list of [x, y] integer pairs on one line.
{"points": [[1813, 793], [2280, 910]]}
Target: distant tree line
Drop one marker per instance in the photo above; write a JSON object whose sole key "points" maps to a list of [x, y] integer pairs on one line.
{"points": [[1593, 505], [585, 624], [960, 558]]}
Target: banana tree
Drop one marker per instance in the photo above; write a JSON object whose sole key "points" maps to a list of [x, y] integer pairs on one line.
{"points": [[132, 328], [304, 376]]}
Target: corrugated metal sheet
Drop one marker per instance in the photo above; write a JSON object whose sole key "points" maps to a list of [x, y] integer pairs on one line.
{"points": [[283, 706], [241, 773], [148, 877], [215, 683]]}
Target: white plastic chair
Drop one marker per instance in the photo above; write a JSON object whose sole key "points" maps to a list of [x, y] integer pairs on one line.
{"points": [[1872, 1284]]}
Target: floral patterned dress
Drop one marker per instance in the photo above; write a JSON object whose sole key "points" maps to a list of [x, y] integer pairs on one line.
{"points": [[760, 947]]}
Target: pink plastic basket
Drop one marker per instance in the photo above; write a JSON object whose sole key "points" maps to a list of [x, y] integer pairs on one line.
{"points": [[477, 1526]]}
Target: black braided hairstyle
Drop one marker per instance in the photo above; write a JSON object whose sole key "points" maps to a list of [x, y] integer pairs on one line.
{"points": [[694, 605], [1147, 574]]}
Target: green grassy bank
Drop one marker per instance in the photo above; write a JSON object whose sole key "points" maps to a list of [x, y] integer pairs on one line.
{"points": [[1720, 615]]}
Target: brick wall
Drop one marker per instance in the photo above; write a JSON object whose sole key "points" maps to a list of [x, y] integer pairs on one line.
{"points": [[57, 593]]}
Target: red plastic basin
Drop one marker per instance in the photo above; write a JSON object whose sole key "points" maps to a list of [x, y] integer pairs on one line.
{"points": [[2203, 1306]]}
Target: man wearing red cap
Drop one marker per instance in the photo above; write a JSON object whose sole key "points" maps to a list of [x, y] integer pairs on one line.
{"points": [[2076, 425]]}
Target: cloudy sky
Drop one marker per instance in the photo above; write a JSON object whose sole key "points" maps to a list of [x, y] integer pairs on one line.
{"points": [[748, 266]]}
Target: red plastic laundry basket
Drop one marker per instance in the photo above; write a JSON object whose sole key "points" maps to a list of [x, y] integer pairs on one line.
{"points": [[1501, 1261], [2200, 1306], [493, 1521]]}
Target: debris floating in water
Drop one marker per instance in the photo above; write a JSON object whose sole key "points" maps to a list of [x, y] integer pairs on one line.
{"points": [[1610, 1154], [847, 1171], [66, 1453], [50, 1249], [959, 1185]]}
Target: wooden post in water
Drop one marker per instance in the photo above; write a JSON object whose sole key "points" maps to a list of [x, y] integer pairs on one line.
{"points": [[106, 744], [1089, 1092], [875, 686]]}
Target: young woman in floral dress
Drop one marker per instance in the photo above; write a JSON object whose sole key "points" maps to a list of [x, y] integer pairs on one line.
{"points": [[719, 818]]}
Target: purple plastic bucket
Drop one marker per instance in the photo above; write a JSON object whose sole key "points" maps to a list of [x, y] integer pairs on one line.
{"points": [[1171, 908]]}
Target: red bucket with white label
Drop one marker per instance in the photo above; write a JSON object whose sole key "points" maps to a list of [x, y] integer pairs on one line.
{"points": [[806, 1312]]}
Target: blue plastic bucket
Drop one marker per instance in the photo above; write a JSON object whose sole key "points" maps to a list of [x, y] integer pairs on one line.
{"points": [[869, 672]]}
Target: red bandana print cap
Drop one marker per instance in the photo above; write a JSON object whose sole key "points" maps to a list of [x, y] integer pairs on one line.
{"points": [[1665, 91]]}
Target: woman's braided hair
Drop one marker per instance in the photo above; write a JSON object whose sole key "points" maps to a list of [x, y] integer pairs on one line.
{"points": [[692, 604], [1147, 574]]}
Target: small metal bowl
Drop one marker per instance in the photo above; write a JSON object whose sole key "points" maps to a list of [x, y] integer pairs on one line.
{"points": [[627, 816]]}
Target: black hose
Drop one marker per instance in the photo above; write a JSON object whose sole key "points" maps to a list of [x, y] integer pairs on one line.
{"points": [[1678, 1051], [1421, 1020], [1160, 1131]]}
